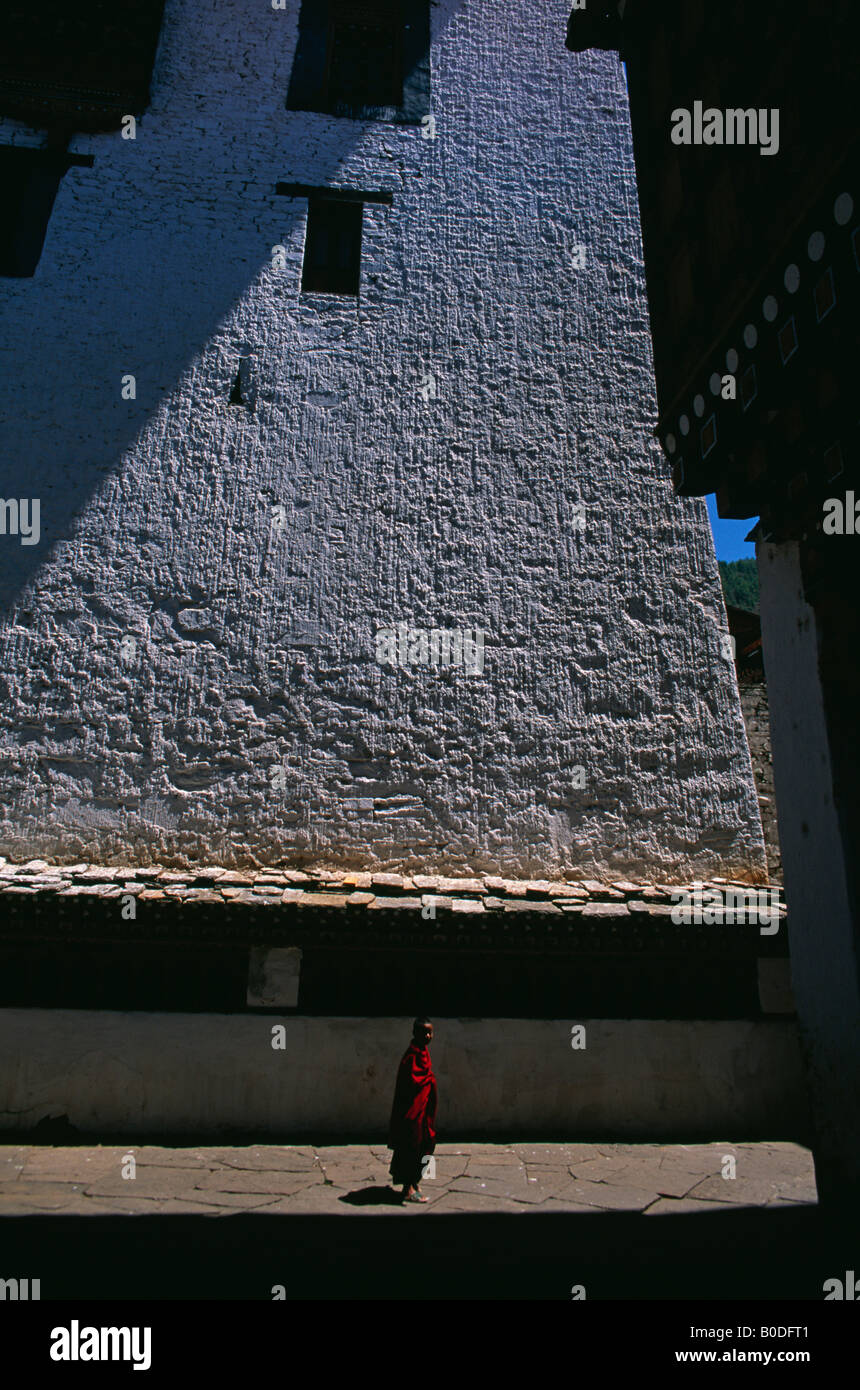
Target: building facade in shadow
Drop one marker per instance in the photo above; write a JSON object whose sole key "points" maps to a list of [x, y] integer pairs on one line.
{"points": [[745, 136]]}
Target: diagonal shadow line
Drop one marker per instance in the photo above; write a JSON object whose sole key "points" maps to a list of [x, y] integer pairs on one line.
{"points": [[150, 303]]}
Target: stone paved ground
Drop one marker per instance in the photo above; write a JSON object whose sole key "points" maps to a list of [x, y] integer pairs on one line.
{"points": [[353, 1179]]}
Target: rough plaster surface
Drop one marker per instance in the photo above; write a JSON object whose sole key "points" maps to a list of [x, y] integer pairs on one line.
{"points": [[754, 704], [201, 1073], [253, 647]]}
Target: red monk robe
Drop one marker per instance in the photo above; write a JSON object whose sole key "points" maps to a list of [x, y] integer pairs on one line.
{"points": [[412, 1131]]}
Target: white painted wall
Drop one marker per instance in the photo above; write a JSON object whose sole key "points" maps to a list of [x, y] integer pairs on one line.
{"points": [[254, 649], [139, 1073]]}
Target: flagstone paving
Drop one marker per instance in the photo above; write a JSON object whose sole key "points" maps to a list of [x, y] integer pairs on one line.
{"points": [[654, 1179]]}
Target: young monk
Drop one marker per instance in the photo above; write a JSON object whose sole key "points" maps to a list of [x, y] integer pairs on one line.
{"points": [[412, 1132]]}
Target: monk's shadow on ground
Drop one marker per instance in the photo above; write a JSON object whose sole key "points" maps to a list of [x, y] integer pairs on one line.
{"points": [[373, 1197]]}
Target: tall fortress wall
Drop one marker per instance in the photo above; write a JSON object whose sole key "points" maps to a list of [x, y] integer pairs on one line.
{"points": [[191, 665]]}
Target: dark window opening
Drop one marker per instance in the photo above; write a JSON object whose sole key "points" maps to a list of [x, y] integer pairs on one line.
{"points": [[332, 259], [597, 26], [236, 392], [363, 59], [81, 65], [29, 181], [243, 392]]}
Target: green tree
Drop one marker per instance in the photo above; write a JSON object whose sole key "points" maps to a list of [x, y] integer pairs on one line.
{"points": [[740, 583]]}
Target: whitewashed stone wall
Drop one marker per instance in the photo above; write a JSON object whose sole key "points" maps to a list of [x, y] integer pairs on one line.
{"points": [[253, 649]]}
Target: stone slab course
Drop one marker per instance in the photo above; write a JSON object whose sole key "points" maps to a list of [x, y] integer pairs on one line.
{"points": [[324, 888]]}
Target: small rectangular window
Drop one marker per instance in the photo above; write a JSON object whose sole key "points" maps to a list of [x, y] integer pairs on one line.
{"points": [[363, 59], [78, 66], [332, 259], [363, 66], [29, 180]]}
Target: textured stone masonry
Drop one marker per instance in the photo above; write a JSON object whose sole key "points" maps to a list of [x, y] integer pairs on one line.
{"points": [[325, 889], [182, 679]]}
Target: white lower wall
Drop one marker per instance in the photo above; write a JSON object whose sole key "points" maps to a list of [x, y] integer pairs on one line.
{"points": [[207, 1073]]}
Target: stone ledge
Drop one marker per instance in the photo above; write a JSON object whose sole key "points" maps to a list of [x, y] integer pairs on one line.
{"points": [[333, 890]]}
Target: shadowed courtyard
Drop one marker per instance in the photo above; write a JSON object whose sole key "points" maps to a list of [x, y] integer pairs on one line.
{"points": [[759, 1235]]}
